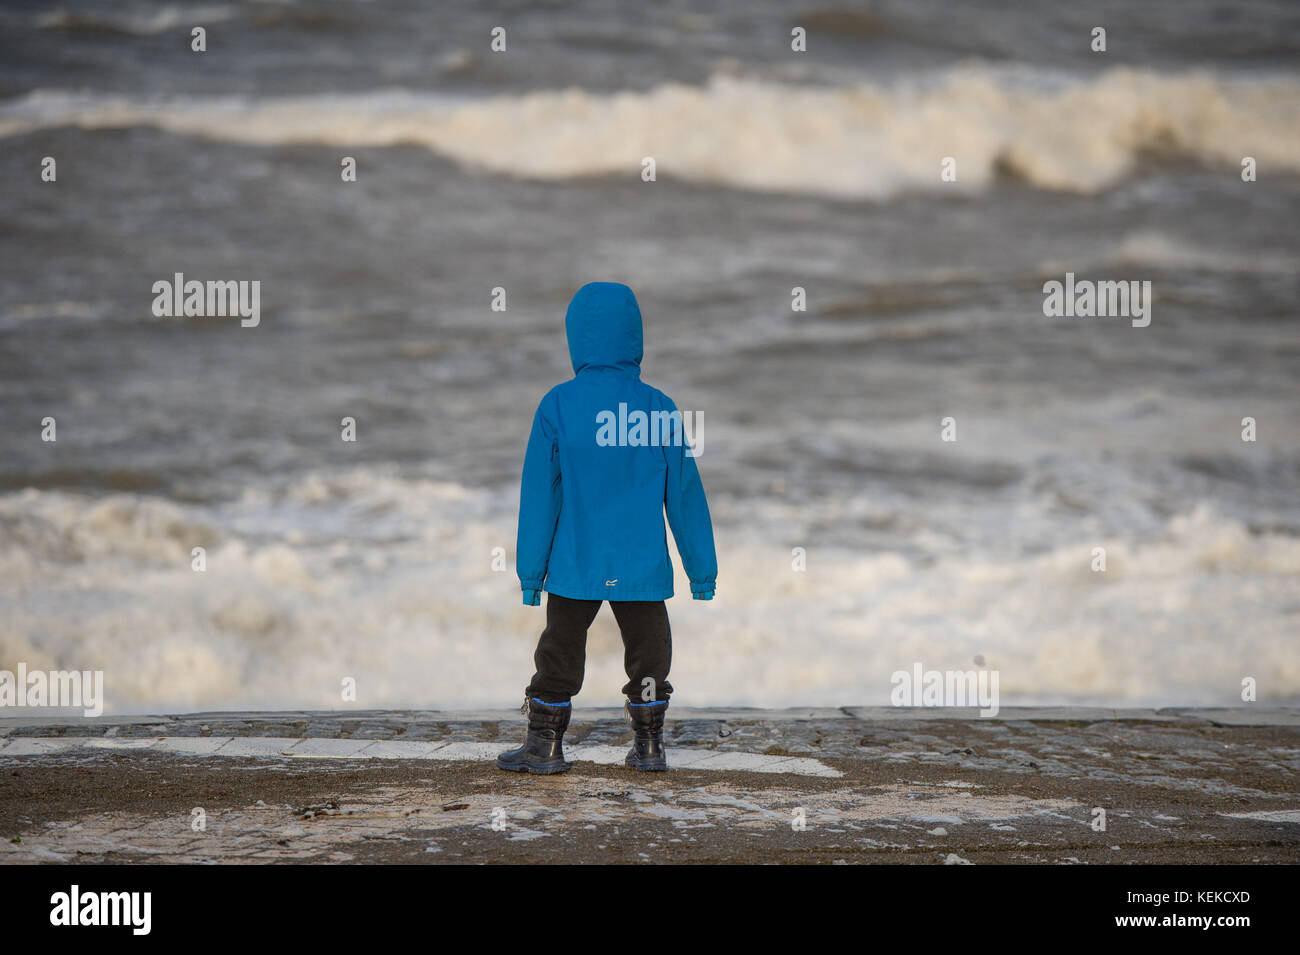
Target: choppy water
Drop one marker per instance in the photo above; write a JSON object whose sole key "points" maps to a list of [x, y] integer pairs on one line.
{"points": [[521, 170]]}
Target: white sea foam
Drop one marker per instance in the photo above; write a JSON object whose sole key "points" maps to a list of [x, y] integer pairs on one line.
{"points": [[416, 614], [865, 141], [1151, 249]]}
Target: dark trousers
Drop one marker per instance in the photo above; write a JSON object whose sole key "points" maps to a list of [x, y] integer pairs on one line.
{"points": [[561, 653]]}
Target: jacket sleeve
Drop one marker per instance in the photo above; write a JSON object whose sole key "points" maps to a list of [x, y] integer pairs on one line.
{"points": [[688, 516], [539, 506]]}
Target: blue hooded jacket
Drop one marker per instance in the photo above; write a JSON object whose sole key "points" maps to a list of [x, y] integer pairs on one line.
{"points": [[606, 460]]}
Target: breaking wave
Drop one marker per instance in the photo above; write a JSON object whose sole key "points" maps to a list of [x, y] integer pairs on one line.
{"points": [[865, 141], [417, 612]]}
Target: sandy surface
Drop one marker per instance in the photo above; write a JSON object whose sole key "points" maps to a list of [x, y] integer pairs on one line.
{"points": [[897, 788]]}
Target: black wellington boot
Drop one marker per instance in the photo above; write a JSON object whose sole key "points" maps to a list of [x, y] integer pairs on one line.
{"points": [[647, 752], [543, 749]]}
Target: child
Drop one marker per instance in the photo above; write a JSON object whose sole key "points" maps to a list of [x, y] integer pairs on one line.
{"points": [[606, 459]]}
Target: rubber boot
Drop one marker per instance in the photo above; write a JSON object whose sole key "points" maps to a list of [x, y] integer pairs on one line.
{"points": [[647, 752], [543, 749]]}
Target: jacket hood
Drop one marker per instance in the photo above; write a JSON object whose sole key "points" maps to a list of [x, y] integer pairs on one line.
{"points": [[603, 325]]}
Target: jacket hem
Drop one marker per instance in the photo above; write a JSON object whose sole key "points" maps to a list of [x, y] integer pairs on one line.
{"points": [[609, 593]]}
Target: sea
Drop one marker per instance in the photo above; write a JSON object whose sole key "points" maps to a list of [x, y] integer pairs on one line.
{"points": [[840, 254]]}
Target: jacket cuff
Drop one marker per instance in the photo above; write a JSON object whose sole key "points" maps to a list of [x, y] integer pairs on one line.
{"points": [[701, 594], [532, 598]]}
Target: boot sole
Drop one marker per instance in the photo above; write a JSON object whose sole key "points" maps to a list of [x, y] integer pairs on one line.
{"points": [[541, 769], [647, 766]]}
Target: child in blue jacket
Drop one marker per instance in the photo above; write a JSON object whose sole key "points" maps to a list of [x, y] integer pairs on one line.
{"points": [[607, 459]]}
